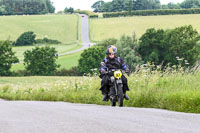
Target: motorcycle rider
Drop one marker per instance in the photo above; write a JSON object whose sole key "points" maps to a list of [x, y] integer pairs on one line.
{"points": [[112, 62]]}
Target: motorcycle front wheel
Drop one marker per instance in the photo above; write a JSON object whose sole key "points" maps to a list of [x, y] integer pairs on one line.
{"points": [[121, 96]]}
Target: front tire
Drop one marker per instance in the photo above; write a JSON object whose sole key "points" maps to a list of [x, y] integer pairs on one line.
{"points": [[121, 96], [113, 103]]}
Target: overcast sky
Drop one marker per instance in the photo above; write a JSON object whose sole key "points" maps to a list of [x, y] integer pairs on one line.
{"points": [[86, 4]]}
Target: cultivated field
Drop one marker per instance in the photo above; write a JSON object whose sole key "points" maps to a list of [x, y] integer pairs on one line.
{"points": [[177, 91], [58, 27], [115, 27]]}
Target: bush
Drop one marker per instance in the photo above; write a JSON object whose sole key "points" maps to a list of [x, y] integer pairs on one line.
{"points": [[41, 61], [91, 59], [151, 47], [48, 41], [176, 46], [74, 71], [107, 42], [127, 49], [152, 12], [27, 38], [90, 14], [7, 58]]}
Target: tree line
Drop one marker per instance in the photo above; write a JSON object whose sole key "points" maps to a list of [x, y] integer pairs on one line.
{"points": [[130, 5], [19, 7]]}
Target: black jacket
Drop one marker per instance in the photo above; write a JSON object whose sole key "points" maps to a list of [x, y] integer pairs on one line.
{"points": [[115, 63]]}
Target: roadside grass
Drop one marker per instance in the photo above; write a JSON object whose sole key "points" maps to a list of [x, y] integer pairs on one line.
{"points": [[104, 28], [57, 27], [176, 91]]}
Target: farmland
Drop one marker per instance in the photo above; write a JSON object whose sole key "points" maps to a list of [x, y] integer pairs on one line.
{"points": [[64, 28], [58, 27], [101, 29]]}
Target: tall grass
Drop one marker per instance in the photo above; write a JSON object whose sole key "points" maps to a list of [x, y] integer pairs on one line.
{"points": [[173, 89]]}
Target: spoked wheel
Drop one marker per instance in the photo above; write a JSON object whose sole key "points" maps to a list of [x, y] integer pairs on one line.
{"points": [[121, 96]]}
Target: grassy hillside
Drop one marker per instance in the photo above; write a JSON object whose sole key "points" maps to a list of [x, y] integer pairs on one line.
{"points": [[65, 28], [174, 91], [115, 27], [59, 27]]}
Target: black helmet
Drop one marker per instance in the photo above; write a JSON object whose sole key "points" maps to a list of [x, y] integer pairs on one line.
{"points": [[111, 50]]}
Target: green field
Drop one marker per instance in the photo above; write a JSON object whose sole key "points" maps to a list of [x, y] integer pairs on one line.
{"points": [[176, 91], [101, 29], [61, 48], [67, 62], [58, 27], [65, 28]]}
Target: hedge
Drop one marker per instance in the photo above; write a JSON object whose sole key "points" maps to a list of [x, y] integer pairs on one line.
{"points": [[89, 13], [152, 12]]}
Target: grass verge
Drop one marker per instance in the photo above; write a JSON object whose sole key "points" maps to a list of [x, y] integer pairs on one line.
{"points": [[176, 91]]}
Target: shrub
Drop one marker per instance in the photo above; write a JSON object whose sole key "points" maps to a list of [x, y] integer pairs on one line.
{"points": [[91, 59], [27, 38], [7, 58], [48, 41], [175, 46], [107, 42], [90, 14], [74, 71], [41, 61], [152, 12], [151, 47], [127, 49]]}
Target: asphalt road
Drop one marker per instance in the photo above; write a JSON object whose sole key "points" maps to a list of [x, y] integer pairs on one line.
{"points": [[84, 35], [60, 117]]}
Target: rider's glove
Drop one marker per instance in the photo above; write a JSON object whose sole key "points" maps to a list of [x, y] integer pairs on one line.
{"points": [[127, 70], [103, 71]]}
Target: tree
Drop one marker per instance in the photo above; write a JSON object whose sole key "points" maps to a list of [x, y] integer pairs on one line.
{"points": [[163, 47], [130, 6], [107, 42], [127, 49], [7, 58], [69, 10], [107, 7], [41, 61], [91, 59], [27, 38], [51, 8], [151, 47], [182, 42], [97, 5], [190, 4], [19, 7]]}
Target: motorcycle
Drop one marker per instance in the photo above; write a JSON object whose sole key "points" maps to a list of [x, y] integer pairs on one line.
{"points": [[116, 88]]}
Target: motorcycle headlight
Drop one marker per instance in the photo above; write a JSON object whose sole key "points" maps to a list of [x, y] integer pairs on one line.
{"points": [[118, 74]]}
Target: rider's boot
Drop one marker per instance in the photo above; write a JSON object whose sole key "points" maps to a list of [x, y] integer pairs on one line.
{"points": [[105, 97], [126, 96]]}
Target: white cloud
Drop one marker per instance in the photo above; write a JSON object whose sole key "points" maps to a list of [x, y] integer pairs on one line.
{"points": [[86, 4]]}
